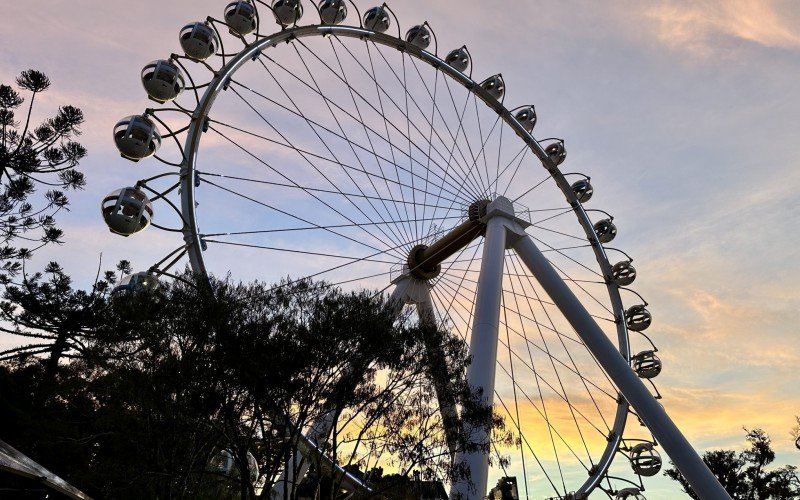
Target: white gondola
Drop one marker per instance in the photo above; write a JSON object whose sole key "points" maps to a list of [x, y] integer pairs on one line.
{"points": [[127, 211], [419, 36], [458, 59], [240, 17], [199, 41], [647, 365], [638, 318], [224, 463], [137, 137], [332, 11], [377, 19], [163, 80], [138, 282], [606, 230], [527, 117], [623, 273], [645, 460], [495, 86], [557, 152], [287, 12], [583, 190]]}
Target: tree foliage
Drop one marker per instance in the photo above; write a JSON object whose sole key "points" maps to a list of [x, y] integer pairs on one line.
{"points": [[745, 475], [55, 319], [178, 375], [30, 156]]}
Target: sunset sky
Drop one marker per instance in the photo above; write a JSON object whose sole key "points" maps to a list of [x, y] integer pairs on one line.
{"points": [[685, 113]]}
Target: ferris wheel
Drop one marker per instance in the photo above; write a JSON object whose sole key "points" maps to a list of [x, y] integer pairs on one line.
{"points": [[337, 146]]}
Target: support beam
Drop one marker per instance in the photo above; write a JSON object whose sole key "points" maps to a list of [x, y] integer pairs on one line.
{"points": [[638, 395], [483, 349]]}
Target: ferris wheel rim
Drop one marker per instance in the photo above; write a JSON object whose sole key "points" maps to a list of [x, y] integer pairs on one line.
{"points": [[190, 179]]}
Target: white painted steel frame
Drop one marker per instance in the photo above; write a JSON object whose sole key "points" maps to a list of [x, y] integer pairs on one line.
{"points": [[189, 180]]}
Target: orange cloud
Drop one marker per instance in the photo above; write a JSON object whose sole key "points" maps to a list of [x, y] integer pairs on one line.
{"points": [[693, 28]]}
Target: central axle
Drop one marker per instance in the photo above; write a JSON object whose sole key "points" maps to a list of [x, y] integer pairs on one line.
{"points": [[425, 262]]}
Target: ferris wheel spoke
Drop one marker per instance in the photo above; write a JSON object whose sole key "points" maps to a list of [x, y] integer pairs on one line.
{"points": [[537, 375], [327, 147], [564, 211], [314, 228], [499, 156], [543, 414], [319, 157], [339, 193], [444, 181], [342, 266], [408, 134], [531, 189], [464, 170], [307, 191], [461, 129], [574, 368], [482, 150], [560, 233], [430, 140], [472, 259], [298, 251], [352, 148], [519, 158], [518, 420], [473, 190], [561, 252], [366, 130], [386, 128], [453, 287], [524, 440], [380, 111], [301, 219], [558, 376]]}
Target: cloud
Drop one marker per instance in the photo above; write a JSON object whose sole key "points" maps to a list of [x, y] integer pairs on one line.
{"points": [[699, 28]]}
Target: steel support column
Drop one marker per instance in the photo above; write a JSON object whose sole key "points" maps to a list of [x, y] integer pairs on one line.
{"points": [[638, 395], [483, 349]]}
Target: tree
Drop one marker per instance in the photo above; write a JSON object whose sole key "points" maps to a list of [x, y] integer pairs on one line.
{"points": [[33, 155], [796, 433], [745, 475], [57, 320], [179, 375]]}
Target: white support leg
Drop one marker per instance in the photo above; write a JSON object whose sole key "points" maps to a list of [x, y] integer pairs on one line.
{"points": [[638, 395], [483, 349]]}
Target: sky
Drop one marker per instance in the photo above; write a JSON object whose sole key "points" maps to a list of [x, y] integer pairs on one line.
{"points": [[685, 114]]}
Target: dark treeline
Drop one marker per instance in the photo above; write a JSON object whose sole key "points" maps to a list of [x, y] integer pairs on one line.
{"points": [[144, 394]]}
